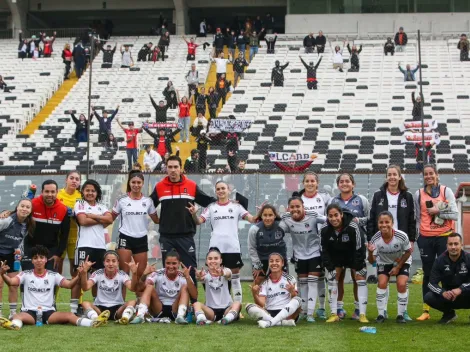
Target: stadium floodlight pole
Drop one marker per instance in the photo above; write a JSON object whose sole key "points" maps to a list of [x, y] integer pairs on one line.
{"points": [[92, 41], [421, 112]]}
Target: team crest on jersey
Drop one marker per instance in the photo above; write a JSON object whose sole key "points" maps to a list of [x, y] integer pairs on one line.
{"points": [[307, 225], [230, 210], [81, 206], [177, 284], [403, 203], [144, 204], [345, 238], [46, 282], [185, 190], [318, 200], [463, 268], [381, 203], [260, 234], [396, 246], [116, 282], [281, 286], [355, 202], [278, 235]]}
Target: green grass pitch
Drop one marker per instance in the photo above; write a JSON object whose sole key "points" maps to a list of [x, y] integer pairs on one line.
{"points": [[246, 336]]}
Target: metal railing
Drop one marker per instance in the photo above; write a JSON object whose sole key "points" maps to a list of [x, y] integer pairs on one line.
{"points": [[6, 34], [61, 32]]}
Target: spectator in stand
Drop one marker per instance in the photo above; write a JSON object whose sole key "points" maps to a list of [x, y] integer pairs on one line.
{"points": [[269, 23], [418, 104], [231, 141], [131, 143], [239, 68], [136, 166], [254, 43], [270, 44], [81, 131], [192, 163], [219, 41], [389, 47], [427, 154], [277, 74], [163, 43], [170, 96], [338, 58], [79, 59], [192, 77], [155, 54], [162, 139], [162, 165], [67, 59], [111, 142], [202, 28], [258, 24], [242, 40], [34, 45], [320, 42], [401, 39], [291, 166], [221, 64], [354, 52], [408, 74], [213, 99], [184, 117], [191, 49], [104, 124], [23, 47], [200, 124], [127, 60], [464, 47], [151, 159], [3, 85], [48, 42], [202, 144], [309, 43], [145, 52], [223, 87], [160, 110], [199, 100], [311, 73], [231, 41]]}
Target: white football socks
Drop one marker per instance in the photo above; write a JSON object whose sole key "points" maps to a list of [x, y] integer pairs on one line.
{"points": [[312, 294], [74, 305], [231, 316], [85, 322], [91, 314], [402, 302], [303, 288], [321, 291], [237, 288], [142, 309], [362, 295], [288, 310], [17, 322], [333, 291], [257, 313], [128, 312], [381, 299], [182, 308]]}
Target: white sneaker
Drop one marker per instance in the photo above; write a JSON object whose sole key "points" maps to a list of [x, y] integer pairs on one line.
{"points": [[290, 322], [138, 320], [187, 141], [180, 141], [164, 321], [180, 320], [264, 324]]}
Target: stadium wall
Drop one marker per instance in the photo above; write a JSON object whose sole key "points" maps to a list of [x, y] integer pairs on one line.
{"points": [[386, 24]]}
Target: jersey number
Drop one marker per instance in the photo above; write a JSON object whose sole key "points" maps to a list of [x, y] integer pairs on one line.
{"points": [[122, 242], [81, 255]]}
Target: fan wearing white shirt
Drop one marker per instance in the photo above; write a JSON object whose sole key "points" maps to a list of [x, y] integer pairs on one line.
{"points": [[221, 63], [223, 216], [219, 306], [151, 159]]}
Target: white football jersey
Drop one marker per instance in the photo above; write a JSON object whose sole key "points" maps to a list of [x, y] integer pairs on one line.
{"points": [[304, 233], [39, 290], [389, 253], [133, 215], [109, 289], [217, 293], [392, 200], [277, 297], [317, 203], [167, 289], [90, 236], [223, 219]]}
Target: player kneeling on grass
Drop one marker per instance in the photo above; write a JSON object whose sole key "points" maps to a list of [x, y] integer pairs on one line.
{"points": [[219, 305], [167, 292], [38, 297], [276, 300], [109, 283], [342, 248], [392, 251]]}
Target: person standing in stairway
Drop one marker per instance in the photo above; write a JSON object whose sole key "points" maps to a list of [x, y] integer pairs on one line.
{"points": [[79, 59], [254, 43], [202, 28], [311, 73], [221, 64], [320, 42], [170, 95], [212, 102], [239, 68], [277, 74], [127, 60], [219, 41], [191, 49], [223, 87], [184, 117], [164, 43], [242, 40], [48, 42], [131, 143], [145, 52], [160, 110], [81, 131], [231, 40], [162, 139], [192, 77], [199, 100], [108, 54], [104, 124], [270, 44], [67, 59], [309, 43]]}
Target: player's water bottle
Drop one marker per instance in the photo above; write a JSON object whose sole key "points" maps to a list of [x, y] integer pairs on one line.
{"points": [[190, 314], [39, 317], [368, 329], [31, 191], [17, 263]]}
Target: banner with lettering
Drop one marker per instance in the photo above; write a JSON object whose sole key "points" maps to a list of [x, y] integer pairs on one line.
{"points": [[229, 125], [417, 137], [161, 125], [285, 157], [428, 125]]}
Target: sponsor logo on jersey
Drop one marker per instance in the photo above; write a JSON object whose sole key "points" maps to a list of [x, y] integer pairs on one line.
{"points": [[224, 217], [39, 290], [136, 213]]}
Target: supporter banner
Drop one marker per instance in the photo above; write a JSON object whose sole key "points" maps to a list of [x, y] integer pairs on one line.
{"points": [[417, 137], [285, 157], [416, 125], [229, 125], [161, 125]]}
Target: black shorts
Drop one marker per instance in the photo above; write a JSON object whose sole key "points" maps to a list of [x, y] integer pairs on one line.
{"points": [[45, 315], [219, 313], [232, 260], [167, 312], [136, 245], [384, 269], [275, 312], [9, 259], [184, 246], [265, 263], [112, 310], [305, 266], [95, 255]]}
